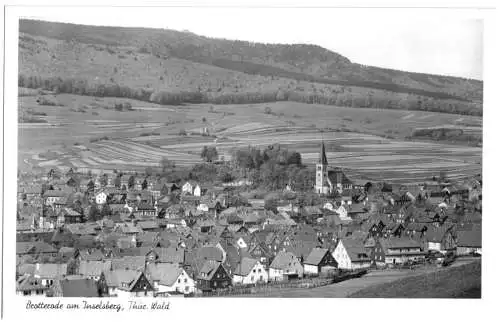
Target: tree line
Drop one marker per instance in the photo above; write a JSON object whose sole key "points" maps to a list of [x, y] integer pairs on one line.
{"points": [[344, 98]]}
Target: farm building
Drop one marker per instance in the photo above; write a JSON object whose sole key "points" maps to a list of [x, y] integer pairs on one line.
{"points": [[285, 266], [469, 242], [319, 260], [249, 271], [351, 254]]}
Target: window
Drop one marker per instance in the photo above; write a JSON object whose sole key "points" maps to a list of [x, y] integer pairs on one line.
{"points": [[253, 270], [185, 280], [251, 278], [260, 270], [179, 280]]}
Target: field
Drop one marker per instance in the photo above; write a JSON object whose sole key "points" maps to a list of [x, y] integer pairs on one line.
{"points": [[89, 132]]}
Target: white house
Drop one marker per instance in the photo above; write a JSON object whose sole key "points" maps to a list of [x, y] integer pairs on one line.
{"points": [[250, 271], [350, 254], [197, 190], [203, 207], [101, 198], [285, 266], [187, 188], [343, 214], [170, 278]]}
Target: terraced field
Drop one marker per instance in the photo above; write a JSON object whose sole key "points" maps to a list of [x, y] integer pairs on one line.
{"points": [[103, 138]]}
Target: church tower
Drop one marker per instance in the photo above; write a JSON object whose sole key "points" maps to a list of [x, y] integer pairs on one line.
{"points": [[322, 186]]}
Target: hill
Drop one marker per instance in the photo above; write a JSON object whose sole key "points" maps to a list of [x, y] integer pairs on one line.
{"points": [[160, 59], [459, 282]]}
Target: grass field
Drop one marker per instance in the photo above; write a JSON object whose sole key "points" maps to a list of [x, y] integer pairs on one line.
{"points": [[89, 132], [458, 282]]}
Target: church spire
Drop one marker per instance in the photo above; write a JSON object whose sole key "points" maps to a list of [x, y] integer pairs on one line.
{"points": [[322, 155]]}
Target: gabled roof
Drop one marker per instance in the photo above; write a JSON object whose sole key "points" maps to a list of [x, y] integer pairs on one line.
{"points": [[121, 278], [172, 255], [434, 234], [50, 270], [134, 263], [355, 249], [24, 247], [54, 193], [245, 266], [93, 268], [283, 260], [165, 274], [208, 270], [316, 255], [399, 243], [469, 238], [78, 288]]}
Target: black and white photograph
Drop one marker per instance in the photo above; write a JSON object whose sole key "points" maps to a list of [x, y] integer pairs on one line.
{"points": [[188, 152]]}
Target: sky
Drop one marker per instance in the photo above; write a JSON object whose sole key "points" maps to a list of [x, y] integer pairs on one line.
{"points": [[439, 43]]}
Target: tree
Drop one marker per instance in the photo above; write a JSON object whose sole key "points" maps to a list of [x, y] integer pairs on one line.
{"points": [[103, 180], [268, 111], [131, 182], [209, 154], [144, 185], [94, 213], [117, 182], [204, 119], [106, 211]]}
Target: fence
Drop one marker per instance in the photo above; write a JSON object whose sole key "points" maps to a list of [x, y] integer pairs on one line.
{"points": [[270, 287]]}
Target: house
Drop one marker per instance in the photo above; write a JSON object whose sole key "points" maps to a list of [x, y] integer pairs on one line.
{"points": [[468, 242], [48, 273], [76, 288], [440, 239], [68, 215], [318, 260], [101, 198], [124, 283], [197, 190], [187, 188], [170, 278], [145, 210], [285, 266], [91, 269], [399, 250], [351, 254], [29, 285], [249, 271], [212, 276], [53, 196]]}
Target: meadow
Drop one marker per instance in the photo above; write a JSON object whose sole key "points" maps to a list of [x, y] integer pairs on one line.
{"points": [[90, 132]]}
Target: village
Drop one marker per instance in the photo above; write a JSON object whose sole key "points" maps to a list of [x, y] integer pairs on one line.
{"points": [[138, 235]]}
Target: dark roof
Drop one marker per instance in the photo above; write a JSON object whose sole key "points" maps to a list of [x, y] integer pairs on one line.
{"points": [[469, 238], [316, 255], [79, 288], [322, 155]]}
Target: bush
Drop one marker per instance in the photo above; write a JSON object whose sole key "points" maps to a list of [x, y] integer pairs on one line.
{"points": [[48, 101], [182, 132]]}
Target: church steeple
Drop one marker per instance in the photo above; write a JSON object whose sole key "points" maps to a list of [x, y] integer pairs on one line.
{"points": [[322, 155]]}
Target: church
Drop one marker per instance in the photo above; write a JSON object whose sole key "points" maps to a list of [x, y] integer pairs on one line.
{"points": [[329, 178]]}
